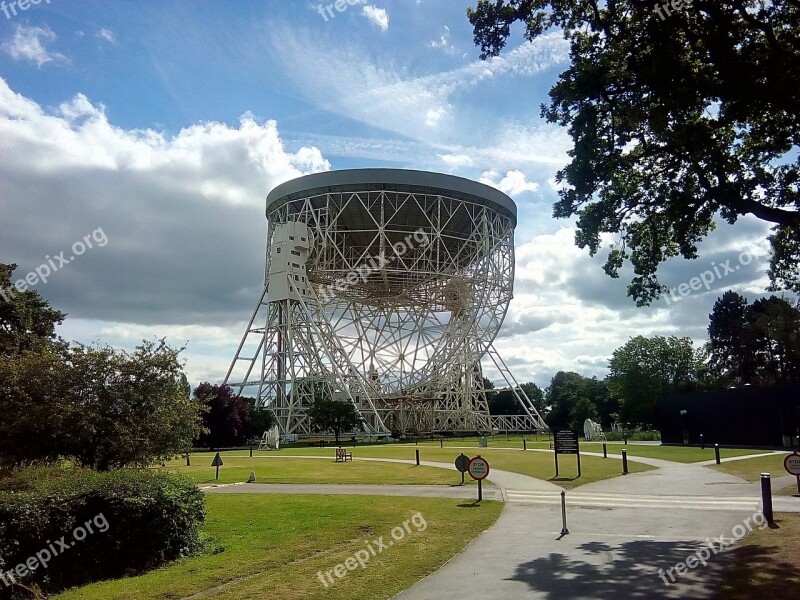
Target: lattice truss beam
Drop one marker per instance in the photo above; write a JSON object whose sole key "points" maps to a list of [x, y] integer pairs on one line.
{"points": [[406, 293]]}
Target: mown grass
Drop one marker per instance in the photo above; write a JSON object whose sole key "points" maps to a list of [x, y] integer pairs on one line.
{"points": [[750, 469], [531, 463], [237, 468], [765, 564], [273, 546], [682, 454]]}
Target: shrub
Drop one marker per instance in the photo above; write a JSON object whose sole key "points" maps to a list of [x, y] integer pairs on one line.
{"points": [[94, 525]]}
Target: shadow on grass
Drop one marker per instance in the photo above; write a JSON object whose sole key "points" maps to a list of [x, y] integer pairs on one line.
{"points": [[757, 573], [473, 504]]}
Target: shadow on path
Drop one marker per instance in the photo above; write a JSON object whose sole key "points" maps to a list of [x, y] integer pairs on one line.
{"points": [[615, 571]]}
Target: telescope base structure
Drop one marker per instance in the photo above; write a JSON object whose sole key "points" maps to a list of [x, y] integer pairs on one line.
{"points": [[383, 288], [296, 359]]}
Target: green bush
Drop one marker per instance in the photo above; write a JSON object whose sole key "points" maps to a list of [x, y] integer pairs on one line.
{"points": [[93, 525], [634, 436]]}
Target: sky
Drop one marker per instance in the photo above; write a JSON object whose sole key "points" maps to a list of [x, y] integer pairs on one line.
{"points": [[139, 140]]}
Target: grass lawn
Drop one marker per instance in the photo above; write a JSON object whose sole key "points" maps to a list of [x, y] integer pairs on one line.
{"points": [[534, 464], [766, 563], [273, 546], [751, 468], [675, 453], [237, 468]]}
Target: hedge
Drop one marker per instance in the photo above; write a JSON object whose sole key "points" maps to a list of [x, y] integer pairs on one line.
{"points": [[92, 525]]}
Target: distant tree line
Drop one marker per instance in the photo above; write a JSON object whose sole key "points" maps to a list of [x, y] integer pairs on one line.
{"points": [[748, 344]]}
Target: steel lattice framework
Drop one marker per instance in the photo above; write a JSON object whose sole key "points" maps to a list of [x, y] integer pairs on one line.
{"points": [[384, 288]]}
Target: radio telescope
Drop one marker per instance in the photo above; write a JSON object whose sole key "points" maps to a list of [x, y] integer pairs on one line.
{"points": [[384, 288]]}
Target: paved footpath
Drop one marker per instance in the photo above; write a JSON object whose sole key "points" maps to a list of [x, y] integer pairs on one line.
{"points": [[621, 532]]}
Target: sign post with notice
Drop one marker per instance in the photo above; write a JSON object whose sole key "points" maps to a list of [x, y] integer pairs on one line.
{"points": [[565, 441], [792, 465]]}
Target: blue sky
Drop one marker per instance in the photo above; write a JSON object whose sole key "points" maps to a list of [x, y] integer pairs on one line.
{"points": [[165, 124]]}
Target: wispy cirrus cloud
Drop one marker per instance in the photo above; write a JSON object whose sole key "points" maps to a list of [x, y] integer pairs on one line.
{"points": [[29, 43]]}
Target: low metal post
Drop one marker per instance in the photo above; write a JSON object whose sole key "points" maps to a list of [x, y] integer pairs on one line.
{"points": [[766, 497], [564, 530], [441, 442], [716, 452], [417, 456], [624, 461], [188, 462], [702, 442], [524, 444], [605, 451], [251, 452]]}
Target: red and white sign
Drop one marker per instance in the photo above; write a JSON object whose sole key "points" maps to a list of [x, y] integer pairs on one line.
{"points": [[792, 464], [478, 468]]}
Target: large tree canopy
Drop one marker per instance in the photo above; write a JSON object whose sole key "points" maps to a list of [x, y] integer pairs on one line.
{"points": [[645, 368], [755, 343], [676, 118], [27, 322]]}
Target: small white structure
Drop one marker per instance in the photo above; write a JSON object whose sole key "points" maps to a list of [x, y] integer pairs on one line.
{"points": [[593, 431], [271, 439]]}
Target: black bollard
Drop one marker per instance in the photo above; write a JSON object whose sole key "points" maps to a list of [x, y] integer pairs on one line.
{"points": [[441, 442], [524, 444], [564, 530], [766, 498], [417, 456], [605, 451], [188, 463], [716, 452], [624, 461], [251, 452], [702, 442]]}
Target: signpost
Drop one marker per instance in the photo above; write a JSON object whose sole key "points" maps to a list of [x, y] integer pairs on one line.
{"points": [[217, 462], [792, 465], [478, 469], [565, 441], [462, 464]]}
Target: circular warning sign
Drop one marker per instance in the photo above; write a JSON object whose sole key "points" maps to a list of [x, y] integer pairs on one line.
{"points": [[478, 468], [792, 464], [462, 463]]}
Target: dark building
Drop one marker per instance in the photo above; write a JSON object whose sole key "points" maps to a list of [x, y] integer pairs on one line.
{"points": [[746, 416]]}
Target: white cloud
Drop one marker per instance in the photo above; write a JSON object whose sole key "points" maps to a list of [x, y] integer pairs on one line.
{"points": [[183, 214], [347, 82], [443, 43], [514, 182], [377, 16], [456, 160], [107, 35], [28, 43]]}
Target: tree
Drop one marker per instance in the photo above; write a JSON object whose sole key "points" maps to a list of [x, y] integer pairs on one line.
{"points": [[102, 408], [332, 415], [260, 420], [565, 389], [226, 416], [775, 325], [754, 343], [645, 368], [26, 320], [730, 343], [675, 118], [582, 409], [575, 398]]}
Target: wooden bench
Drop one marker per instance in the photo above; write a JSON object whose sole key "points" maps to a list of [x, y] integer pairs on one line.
{"points": [[342, 455]]}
